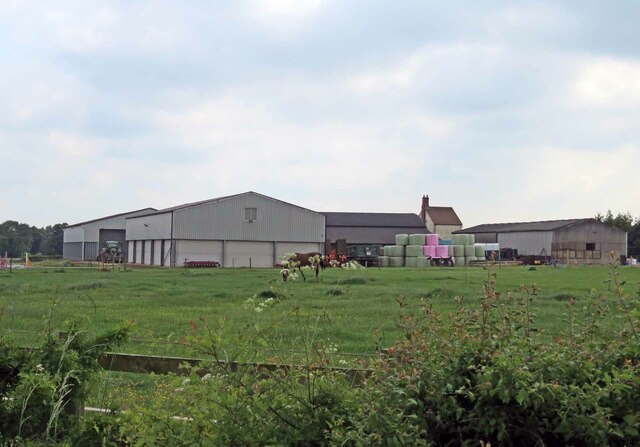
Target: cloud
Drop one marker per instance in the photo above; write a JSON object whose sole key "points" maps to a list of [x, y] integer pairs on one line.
{"points": [[608, 83]]}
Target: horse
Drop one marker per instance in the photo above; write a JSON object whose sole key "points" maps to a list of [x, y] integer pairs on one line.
{"points": [[298, 260]]}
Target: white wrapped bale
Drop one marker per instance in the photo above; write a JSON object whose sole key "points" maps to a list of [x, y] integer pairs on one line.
{"points": [[414, 251], [469, 250], [396, 261], [417, 239], [481, 258], [458, 250], [402, 239], [471, 239], [411, 262], [383, 261]]}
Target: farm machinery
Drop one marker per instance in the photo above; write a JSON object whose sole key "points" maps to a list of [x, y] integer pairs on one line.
{"points": [[111, 253]]}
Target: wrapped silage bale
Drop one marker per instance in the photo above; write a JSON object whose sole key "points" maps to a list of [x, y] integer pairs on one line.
{"points": [[450, 251], [471, 258], [387, 250], [446, 242], [482, 258], [458, 261], [417, 239], [432, 239], [383, 261], [479, 250], [402, 239], [458, 251], [414, 251], [411, 262], [442, 251], [471, 239], [469, 250], [459, 239], [396, 261], [429, 250], [422, 261], [396, 251]]}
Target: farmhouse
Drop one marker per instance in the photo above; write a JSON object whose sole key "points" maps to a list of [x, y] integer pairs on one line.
{"points": [[82, 241], [582, 241], [441, 220], [241, 230], [369, 228]]}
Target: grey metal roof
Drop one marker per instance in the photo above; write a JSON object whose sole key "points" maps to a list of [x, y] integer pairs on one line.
{"points": [[405, 220], [545, 225], [371, 235], [151, 211], [218, 199]]}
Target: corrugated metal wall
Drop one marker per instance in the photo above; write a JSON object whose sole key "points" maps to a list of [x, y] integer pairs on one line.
{"points": [[570, 244], [225, 220], [527, 243], [72, 250], [156, 226]]}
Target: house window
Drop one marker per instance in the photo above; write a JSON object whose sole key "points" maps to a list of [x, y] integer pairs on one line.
{"points": [[591, 246], [250, 214]]}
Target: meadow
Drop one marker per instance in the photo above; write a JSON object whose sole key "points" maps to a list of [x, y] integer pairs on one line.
{"points": [[353, 310]]}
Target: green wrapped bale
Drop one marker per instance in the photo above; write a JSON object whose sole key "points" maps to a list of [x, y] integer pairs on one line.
{"points": [[411, 262], [471, 258], [383, 261], [396, 261], [471, 239], [402, 239], [469, 250], [458, 239], [479, 250], [423, 261], [458, 250], [450, 251], [387, 250], [417, 239], [482, 258], [413, 251], [458, 261]]}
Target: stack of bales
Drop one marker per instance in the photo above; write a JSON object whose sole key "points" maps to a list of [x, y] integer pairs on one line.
{"points": [[413, 250], [464, 249]]}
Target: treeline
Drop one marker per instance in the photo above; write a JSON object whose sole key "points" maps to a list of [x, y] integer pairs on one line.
{"points": [[626, 222], [17, 238]]}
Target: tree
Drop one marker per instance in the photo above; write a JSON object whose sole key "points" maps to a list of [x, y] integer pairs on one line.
{"points": [[625, 222], [15, 238]]}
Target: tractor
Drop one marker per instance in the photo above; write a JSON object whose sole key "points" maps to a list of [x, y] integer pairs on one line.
{"points": [[111, 253]]}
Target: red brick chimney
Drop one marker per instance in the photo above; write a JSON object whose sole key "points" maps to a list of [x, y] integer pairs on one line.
{"points": [[423, 210]]}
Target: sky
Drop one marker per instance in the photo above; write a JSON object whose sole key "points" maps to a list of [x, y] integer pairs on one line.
{"points": [[507, 111]]}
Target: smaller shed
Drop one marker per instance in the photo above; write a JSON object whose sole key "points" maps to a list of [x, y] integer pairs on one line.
{"points": [[376, 229], [82, 241], [582, 241]]}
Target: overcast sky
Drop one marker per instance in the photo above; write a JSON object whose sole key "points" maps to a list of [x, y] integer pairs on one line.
{"points": [[507, 111]]}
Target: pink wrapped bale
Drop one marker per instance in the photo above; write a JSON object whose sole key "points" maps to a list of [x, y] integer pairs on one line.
{"points": [[442, 251], [432, 239], [430, 251]]}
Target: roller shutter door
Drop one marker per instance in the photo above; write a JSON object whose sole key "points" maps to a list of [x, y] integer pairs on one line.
{"points": [[241, 254], [197, 251], [157, 252]]}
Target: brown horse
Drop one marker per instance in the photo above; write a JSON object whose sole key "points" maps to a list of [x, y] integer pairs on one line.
{"points": [[298, 260]]}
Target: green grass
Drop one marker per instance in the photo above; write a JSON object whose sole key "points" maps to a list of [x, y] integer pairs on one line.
{"points": [[345, 307]]}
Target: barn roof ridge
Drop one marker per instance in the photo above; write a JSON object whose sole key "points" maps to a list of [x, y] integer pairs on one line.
{"points": [[114, 215], [511, 227]]}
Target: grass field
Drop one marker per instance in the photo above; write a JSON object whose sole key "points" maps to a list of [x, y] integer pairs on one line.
{"points": [[345, 307]]}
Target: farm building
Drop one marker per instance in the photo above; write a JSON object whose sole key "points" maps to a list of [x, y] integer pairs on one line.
{"points": [[376, 229], [441, 220], [82, 241], [583, 241], [242, 230]]}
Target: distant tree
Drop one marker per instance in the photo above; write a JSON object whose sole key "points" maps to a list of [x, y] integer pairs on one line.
{"points": [[625, 222], [52, 244], [15, 238]]}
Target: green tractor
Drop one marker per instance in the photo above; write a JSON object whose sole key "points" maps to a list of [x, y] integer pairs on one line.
{"points": [[111, 252]]}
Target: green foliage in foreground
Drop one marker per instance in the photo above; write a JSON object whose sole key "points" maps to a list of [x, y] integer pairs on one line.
{"points": [[486, 376]]}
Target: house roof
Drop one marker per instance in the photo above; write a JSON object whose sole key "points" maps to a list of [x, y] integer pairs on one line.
{"points": [[545, 225], [151, 211], [404, 220], [219, 199], [443, 215]]}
